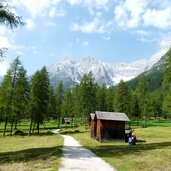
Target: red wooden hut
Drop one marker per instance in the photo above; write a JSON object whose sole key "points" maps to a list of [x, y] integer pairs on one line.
{"points": [[108, 126]]}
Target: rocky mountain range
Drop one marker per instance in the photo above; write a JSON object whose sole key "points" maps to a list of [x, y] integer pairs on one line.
{"points": [[71, 72]]}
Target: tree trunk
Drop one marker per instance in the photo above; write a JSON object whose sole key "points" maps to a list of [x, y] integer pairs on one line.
{"points": [[38, 127], [12, 123], [145, 115], [6, 121], [16, 122], [85, 122], [71, 121], [31, 123], [59, 120], [137, 120]]}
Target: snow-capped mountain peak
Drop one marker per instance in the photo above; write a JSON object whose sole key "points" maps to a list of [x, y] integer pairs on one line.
{"points": [[104, 73]]}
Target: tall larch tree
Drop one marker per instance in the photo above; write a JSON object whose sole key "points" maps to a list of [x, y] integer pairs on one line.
{"points": [[143, 97], [59, 98], [39, 98], [109, 99], [21, 96], [5, 93], [101, 98], [52, 103], [87, 95], [135, 109], [122, 98]]}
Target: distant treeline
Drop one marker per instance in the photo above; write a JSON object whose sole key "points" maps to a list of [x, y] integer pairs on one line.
{"points": [[38, 101]]}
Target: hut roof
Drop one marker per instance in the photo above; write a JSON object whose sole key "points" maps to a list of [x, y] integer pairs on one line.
{"points": [[92, 115], [111, 116]]}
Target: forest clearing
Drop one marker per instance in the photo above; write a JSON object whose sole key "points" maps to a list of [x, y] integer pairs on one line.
{"points": [[94, 113], [44, 151]]}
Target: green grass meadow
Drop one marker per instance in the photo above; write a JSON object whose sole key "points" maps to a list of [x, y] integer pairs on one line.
{"points": [[152, 155], [30, 153], [43, 151]]}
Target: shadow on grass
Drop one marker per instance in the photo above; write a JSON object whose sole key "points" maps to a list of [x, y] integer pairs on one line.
{"points": [[30, 154], [114, 150], [21, 133], [76, 152]]}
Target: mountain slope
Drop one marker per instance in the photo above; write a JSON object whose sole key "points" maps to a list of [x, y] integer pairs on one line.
{"points": [[1, 78], [71, 72], [154, 76]]}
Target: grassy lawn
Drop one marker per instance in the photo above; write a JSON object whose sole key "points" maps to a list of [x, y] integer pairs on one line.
{"points": [[154, 154], [25, 125], [30, 153]]}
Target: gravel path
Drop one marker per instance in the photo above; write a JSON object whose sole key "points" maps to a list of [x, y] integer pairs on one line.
{"points": [[77, 158]]}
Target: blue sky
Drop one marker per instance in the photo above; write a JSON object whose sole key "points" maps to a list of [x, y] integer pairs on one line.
{"points": [[110, 30]]}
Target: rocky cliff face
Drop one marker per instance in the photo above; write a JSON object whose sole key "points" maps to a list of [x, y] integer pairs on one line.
{"points": [[71, 72]]}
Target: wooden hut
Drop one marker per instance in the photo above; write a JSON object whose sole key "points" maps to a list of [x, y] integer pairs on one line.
{"points": [[108, 126]]}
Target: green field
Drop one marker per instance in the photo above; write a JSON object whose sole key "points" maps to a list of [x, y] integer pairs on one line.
{"points": [[152, 155], [43, 152], [30, 153]]}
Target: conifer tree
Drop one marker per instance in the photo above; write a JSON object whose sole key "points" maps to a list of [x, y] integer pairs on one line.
{"points": [[109, 99], [122, 98], [135, 109], [76, 102], [15, 68], [166, 85], [39, 98], [101, 98], [155, 104], [5, 94], [52, 103], [14, 71], [59, 98], [66, 108], [87, 95], [143, 98], [21, 96]]}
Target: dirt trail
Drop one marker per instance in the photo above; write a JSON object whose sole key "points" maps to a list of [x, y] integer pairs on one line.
{"points": [[77, 158]]}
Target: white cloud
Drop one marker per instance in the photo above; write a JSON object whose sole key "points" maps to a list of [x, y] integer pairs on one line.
{"points": [[106, 38], [50, 24], [158, 18], [21, 49], [30, 25], [85, 43], [38, 7], [3, 67], [75, 2], [135, 13], [90, 3], [6, 37], [128, 14], [145, 36], [95, 26], [4, 42], [165, 42], [57, 12]]}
